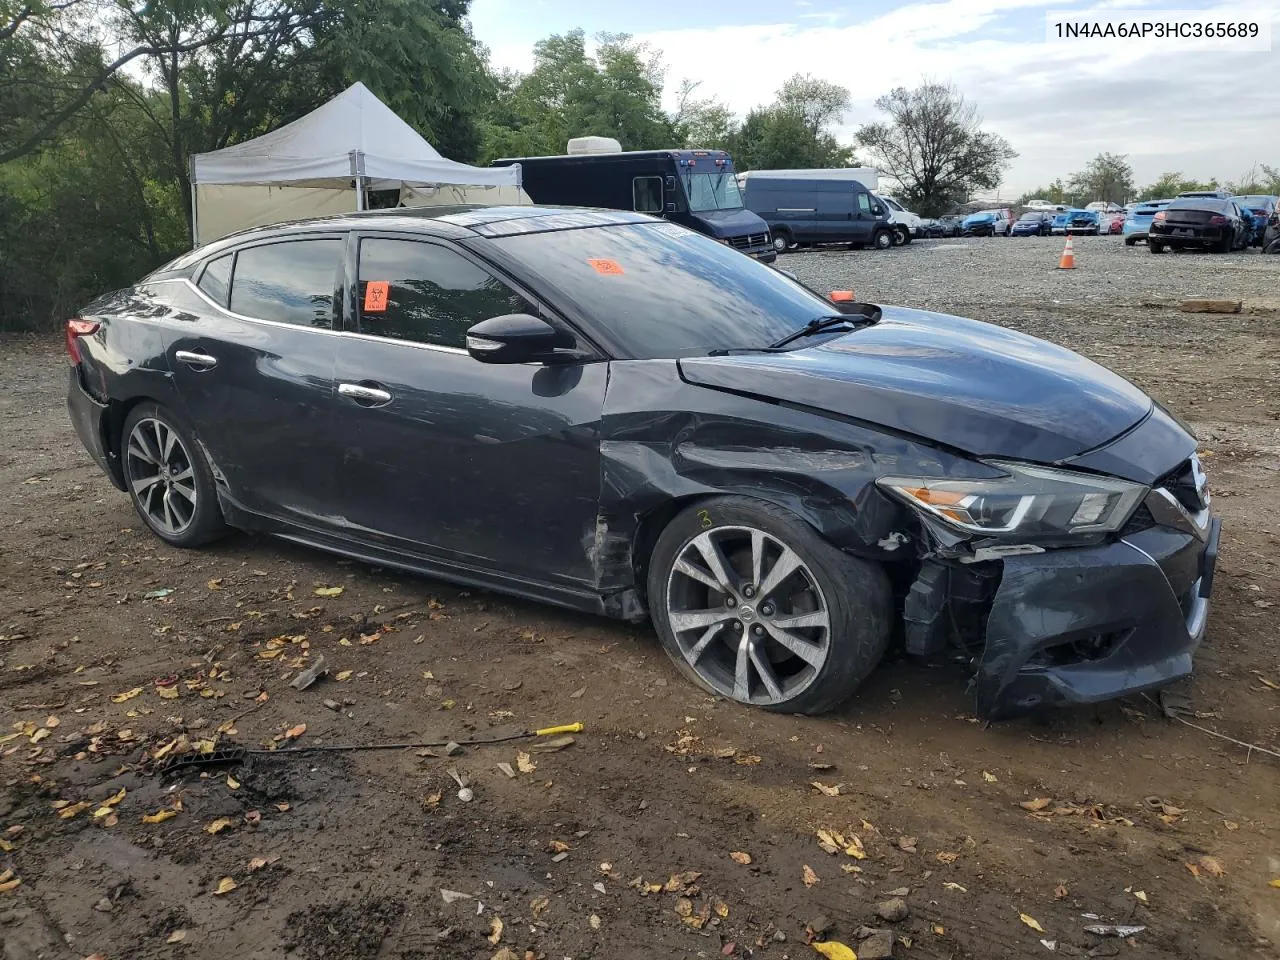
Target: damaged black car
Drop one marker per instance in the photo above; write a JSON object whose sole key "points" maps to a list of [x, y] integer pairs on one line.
{"points": [[609, 412]]}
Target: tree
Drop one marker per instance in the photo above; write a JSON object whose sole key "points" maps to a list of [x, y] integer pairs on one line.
{"points": [[1107, 177], [817, 102], [705, 123], [1056, 192], [1265, 181], [779, 138], [935, 147]]}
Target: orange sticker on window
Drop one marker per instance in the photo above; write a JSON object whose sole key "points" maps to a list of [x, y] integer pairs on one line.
{"points": [[609, 267], [375, 296]]}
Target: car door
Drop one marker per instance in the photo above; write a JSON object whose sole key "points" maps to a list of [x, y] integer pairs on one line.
{"points": [[488, 466], [865, 218], [255, 372]]}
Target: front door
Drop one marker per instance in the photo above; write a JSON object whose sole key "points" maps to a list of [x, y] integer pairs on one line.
{"points": [[253, 365], [492, 466]]}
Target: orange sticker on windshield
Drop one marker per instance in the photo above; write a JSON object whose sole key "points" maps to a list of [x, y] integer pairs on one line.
{"points": [[610, 267], [375, 296]]}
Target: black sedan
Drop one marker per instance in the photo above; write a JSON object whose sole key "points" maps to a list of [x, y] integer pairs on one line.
{"points": [[1209, 223], [1033, 223], [613, 413]]}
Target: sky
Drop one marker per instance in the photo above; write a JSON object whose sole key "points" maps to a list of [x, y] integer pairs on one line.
{"points": [[1168, 105]]}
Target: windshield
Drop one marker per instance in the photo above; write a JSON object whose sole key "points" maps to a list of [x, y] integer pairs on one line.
{"points": [[1030, 216], [1259, 202], [712, 191], [661, 291]]}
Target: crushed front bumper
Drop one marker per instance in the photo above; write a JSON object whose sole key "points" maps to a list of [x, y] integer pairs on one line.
{"points": [[1082, 625]]}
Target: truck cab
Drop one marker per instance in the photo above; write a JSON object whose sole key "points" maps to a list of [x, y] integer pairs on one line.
{"points": [[694, 188]]}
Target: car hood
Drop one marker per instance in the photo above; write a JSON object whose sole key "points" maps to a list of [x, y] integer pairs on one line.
{"points": [[731, 223], [980, 218], [961, 383]]}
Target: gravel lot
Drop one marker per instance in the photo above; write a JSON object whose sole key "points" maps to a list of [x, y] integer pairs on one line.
{"points": [[677, 825]]}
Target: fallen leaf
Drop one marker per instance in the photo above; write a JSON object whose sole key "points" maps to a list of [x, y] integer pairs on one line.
{"points": [[1031, 922], [822, 788], [127, 695], [946, 856], [232, 783], [1212, 866], [167, 693], [66, 813], [343, 675], [495, 931], [432, 800], [721, 909], [938, 929], [810, 878], [678, 881], [1231, 824], [329, 591], [746, 760], [834, 950], [176, 937], [6, 846], [850, 868], [989, 777], [855, 849], [1141, 895], [1192, 869], [558, 846], [524, 763], [282, 807], [594, 921], [157, 594], [160, 816], [1034, 805], [739, 857], [1274, 883], [51, 722], [257, 863], [684, 907], [1269, 683], [538, 906], [907, 844], [1060, 892], [8, 886], [225, 885], [115, 798], [295, 732], [222, 823], [955, 886]]}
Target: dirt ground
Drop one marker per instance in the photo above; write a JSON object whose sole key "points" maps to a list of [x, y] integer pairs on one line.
{"points": [[113, 646]]}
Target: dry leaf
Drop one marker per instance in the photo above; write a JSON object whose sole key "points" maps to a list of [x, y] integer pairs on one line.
{"points": [[160, 816], [1060, 892], [342, 675], [850, 868], [329, 591], [855, 849], [746, 760], [127, 695], [1274, 883], [1192, 869], [684, 907], [219, 825], [947, 857], [1031, 922], [810, 878], [558, 846], [115, 798], [1269, 683], [825, 790], [282, 807], [432, 800], [176, 937], [721, 909], [955, 886], [232, 783], [834, 950], [524, 763], [1034, 805], [39, 735], [295, 732], [678, 881], [538, 906], [51, 722], [938, 929], [1212, 866], [495, 931], [66, 813], [989, 777], [739, 857], [6, 846], [8, 886], [225, 885], [167, 693], [257, 863], [1231, 824]]}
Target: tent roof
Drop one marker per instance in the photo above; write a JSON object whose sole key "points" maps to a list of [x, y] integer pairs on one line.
{"points": [[354, 134]]}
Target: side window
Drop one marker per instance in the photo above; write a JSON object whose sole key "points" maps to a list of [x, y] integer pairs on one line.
{"points": [[864, 203], [216, 279], [646, 194], [289, 282], [427, 293]]}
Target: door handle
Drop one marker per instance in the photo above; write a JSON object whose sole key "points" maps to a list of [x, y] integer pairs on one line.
{"points": [[364, 395], [199, 361]]}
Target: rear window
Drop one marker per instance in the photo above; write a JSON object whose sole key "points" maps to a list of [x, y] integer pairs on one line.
{"points": [[1201, 203], [661, 291]]}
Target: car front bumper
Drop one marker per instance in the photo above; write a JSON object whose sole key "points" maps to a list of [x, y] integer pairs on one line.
{"points": [[1077, 626]]}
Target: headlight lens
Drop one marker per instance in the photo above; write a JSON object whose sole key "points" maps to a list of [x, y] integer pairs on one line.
{"points": [[1030, 502]]}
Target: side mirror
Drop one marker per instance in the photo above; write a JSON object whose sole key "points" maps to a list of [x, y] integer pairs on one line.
{"points": [[512, 338]]}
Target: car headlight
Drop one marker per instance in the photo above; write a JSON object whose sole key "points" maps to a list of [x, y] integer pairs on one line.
{"points": [[1028, 502]]}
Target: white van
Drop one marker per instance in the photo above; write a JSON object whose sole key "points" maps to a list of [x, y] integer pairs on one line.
{"points": [[908, 223]]}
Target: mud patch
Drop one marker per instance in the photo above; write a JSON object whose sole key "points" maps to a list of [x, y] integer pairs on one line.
{"points": [[346, 930]]}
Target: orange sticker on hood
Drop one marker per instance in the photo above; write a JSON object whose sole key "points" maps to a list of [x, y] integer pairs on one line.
{"points": [[610, 267]]}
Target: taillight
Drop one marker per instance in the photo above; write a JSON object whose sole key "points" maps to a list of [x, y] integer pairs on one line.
{"points": [[76, 329], [1160, 215], [1218, 220]]}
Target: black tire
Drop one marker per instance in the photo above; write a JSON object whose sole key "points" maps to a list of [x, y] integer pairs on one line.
{"points": [[1155, 246], [206, 522], [904, 234], [856, 593], [1129, 241], [882, 240], [1273, 246], [782, 241], [1226, 245]]}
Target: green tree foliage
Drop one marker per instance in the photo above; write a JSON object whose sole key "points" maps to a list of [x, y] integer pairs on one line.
{"points": [[1107, 177], [1056, 192], [933, 144]]}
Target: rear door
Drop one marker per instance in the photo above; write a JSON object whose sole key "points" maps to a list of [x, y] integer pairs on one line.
{"points": [[491, 466], [255, 372]]}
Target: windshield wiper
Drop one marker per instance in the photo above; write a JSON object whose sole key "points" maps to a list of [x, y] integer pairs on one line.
{"points": [[816, 325]]}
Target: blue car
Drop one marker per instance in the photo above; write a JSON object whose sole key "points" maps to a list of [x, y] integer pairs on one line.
{"points": [[1033, 223], [1260, 207], [1063, 220], [1139, 220], [986, 223], [1085, 221]]}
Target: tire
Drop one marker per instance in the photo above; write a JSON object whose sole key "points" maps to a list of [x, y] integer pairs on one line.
{"points": [[1155, 246], [1129, 241], [186, 513], [850, 597], [1273, 246], [904, 235], [782, 241], [1226, 245], [882, 240]]}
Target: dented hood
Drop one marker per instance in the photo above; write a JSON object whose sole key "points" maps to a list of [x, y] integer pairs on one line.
{"points": [[969, 385]]}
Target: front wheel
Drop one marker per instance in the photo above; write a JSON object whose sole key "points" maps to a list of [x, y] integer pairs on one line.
{"points": [[168, 479], [883, 240], [1155, 247], [904, 236], [1129, 241], [752, 604], [782, 242]]}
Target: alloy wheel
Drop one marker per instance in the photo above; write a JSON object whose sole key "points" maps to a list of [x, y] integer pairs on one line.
{"points": [[748, 615], [160, 475]]}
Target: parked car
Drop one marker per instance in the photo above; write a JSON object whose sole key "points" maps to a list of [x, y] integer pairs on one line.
{"points": [[988, 223], [1206, 194], [1033, 223], [1062, 221], [1104, 206], [1139, 220], [950, 225], [1271, 238], [809, 210], [1210, 223], [1084, 222], [611, 412], [1260, 207], [1112, 222], [908, 223], [1048, 205]]}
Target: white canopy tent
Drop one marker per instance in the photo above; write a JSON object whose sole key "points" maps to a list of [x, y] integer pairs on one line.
{"points": [[321, 164]]}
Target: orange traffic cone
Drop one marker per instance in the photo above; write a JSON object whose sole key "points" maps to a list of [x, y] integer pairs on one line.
{"points": [[1068, 261]]}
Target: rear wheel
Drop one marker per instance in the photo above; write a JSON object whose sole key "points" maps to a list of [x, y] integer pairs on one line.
{"points": [[882, 240], [1155, 246], [752, 604], [1129, 241], [1227, 244], [168, 479]]}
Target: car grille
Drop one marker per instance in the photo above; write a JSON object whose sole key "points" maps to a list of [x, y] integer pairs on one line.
{"points": [[1141, 520], [1182, 484], [750, 240]]}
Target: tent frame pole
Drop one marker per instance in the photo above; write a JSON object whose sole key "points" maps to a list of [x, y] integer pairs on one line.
{"points": [[195, 208], [359, 194]]}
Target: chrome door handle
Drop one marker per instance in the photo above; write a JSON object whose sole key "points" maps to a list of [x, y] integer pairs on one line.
{"points": [[201, 360], [361, 394]]}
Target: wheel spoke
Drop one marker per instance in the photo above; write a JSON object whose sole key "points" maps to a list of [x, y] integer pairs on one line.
{"points": [[144, 484], [715, 561], [137, 449], [808, 651], [757, 556], [764, 669], [741, 670], [187, 490], [168, 520], [818, 618], [698, 649], [682, 620], [782, 568], [166, 449], [695, 572]]}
